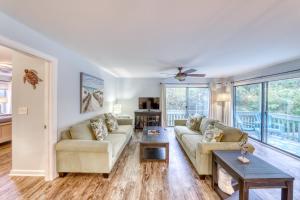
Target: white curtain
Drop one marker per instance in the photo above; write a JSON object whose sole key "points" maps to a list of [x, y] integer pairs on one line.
{"points": [[228, 105], [212, 104], [163, 105]]}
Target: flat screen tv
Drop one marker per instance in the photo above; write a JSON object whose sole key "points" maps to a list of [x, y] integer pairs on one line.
{"points": [[149, 103]]}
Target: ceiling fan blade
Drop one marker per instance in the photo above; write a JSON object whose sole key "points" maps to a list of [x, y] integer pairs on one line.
{"points": [[168, 77], [189, 71], [168, 74], [196, 75]]}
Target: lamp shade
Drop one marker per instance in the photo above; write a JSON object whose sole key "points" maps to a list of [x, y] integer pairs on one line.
{"points": [[223, 97], [117, 109], [3, 99]]}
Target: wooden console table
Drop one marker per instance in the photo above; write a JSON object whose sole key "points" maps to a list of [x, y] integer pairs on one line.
{"points": [[256, 174], [146, 118]]}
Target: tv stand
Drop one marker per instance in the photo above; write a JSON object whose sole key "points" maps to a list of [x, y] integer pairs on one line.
{"points": [[144, 118]]}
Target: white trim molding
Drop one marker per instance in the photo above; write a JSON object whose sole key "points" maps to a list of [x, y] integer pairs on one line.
{"points": [[16, 172]]}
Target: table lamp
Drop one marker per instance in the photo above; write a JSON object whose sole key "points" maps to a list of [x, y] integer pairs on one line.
{"points": [[117, 109]]}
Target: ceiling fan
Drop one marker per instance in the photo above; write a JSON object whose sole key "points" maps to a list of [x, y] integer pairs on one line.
{"points": [[181, 75]]}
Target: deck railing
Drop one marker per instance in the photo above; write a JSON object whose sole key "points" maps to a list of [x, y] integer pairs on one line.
{"points": [[282, 125], [181, 114]]}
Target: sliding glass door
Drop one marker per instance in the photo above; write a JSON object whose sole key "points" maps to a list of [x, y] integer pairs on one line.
{"points": [[197, 101], [270, 112], [175, 104], [248, 109], [181, 102], [283, 115]]}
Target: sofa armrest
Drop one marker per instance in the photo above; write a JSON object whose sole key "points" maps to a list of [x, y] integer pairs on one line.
{"points": [[125, 121], [180, 122], [84, 146], [207, 148]]}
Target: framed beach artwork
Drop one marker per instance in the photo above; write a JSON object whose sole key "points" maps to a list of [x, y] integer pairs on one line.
{"points": [[91, 93]]}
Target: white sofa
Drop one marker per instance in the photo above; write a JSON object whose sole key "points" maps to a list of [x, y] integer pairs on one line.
{"points": [[200, 153], [88, 155]]}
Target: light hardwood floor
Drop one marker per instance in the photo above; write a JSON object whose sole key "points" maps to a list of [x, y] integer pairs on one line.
{"points": [[131, 180]]}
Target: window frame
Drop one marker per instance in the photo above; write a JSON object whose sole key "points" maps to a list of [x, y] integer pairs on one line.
{"points": [[264, 111], [186, 98]]}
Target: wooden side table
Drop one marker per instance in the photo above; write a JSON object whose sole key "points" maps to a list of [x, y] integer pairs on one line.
{"points": [[256, 174]]}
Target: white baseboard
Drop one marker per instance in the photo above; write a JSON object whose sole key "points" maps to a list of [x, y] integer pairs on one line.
{"points": [[15, 172]]}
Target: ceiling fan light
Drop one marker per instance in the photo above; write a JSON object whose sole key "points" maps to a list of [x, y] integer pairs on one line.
{"points": [[180, 78]]}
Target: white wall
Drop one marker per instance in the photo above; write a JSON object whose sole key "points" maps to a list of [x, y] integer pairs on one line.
{"points": [[70, 65], [130, 89]]}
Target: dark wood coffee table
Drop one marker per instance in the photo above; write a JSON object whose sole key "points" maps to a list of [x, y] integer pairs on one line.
{"points": [[154, 147], [256, 174]]}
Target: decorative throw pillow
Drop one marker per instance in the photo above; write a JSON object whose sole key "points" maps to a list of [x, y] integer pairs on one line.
{"points": [[225, 181], [194, 122], [205, 122], [111, 122], [212, 134], [99, 128]]}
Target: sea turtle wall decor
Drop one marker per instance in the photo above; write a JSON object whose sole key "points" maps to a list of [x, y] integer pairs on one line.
{"points": [[31, 76]]}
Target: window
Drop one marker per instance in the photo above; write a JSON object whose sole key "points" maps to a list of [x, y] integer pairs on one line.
{"points": [[273, 105], [5, 98], [181, 102]]}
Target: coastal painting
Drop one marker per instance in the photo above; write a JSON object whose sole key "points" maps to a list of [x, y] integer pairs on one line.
{"points": [[91, 93]]}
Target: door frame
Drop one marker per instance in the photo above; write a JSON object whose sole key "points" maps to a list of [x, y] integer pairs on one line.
{"points": [[51, 99]]}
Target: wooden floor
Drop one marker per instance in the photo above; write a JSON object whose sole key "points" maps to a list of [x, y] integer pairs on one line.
{"points": [[132, 180]]}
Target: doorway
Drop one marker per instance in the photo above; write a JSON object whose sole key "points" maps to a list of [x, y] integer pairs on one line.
{"points": [[34, 109]]}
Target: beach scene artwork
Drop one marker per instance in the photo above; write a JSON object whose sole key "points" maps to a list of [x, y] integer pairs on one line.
{"points": [[91, 93]]}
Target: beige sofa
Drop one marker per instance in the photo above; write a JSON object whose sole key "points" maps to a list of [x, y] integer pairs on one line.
{"points": [[200, 153], [88, 155]]}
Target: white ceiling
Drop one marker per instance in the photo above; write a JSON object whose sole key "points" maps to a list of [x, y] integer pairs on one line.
{"points": [[140, 38]]}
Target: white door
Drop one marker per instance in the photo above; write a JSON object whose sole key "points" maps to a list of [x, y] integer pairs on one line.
{"points": [[28, 117]]}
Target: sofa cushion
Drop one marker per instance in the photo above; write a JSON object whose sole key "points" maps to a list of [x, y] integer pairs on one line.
{"points": [[194, 122], [230, 134], [117, 141], [182, 130], [123, 129], [205, 122], [190, 142], [82, 131], [65, 134]]}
